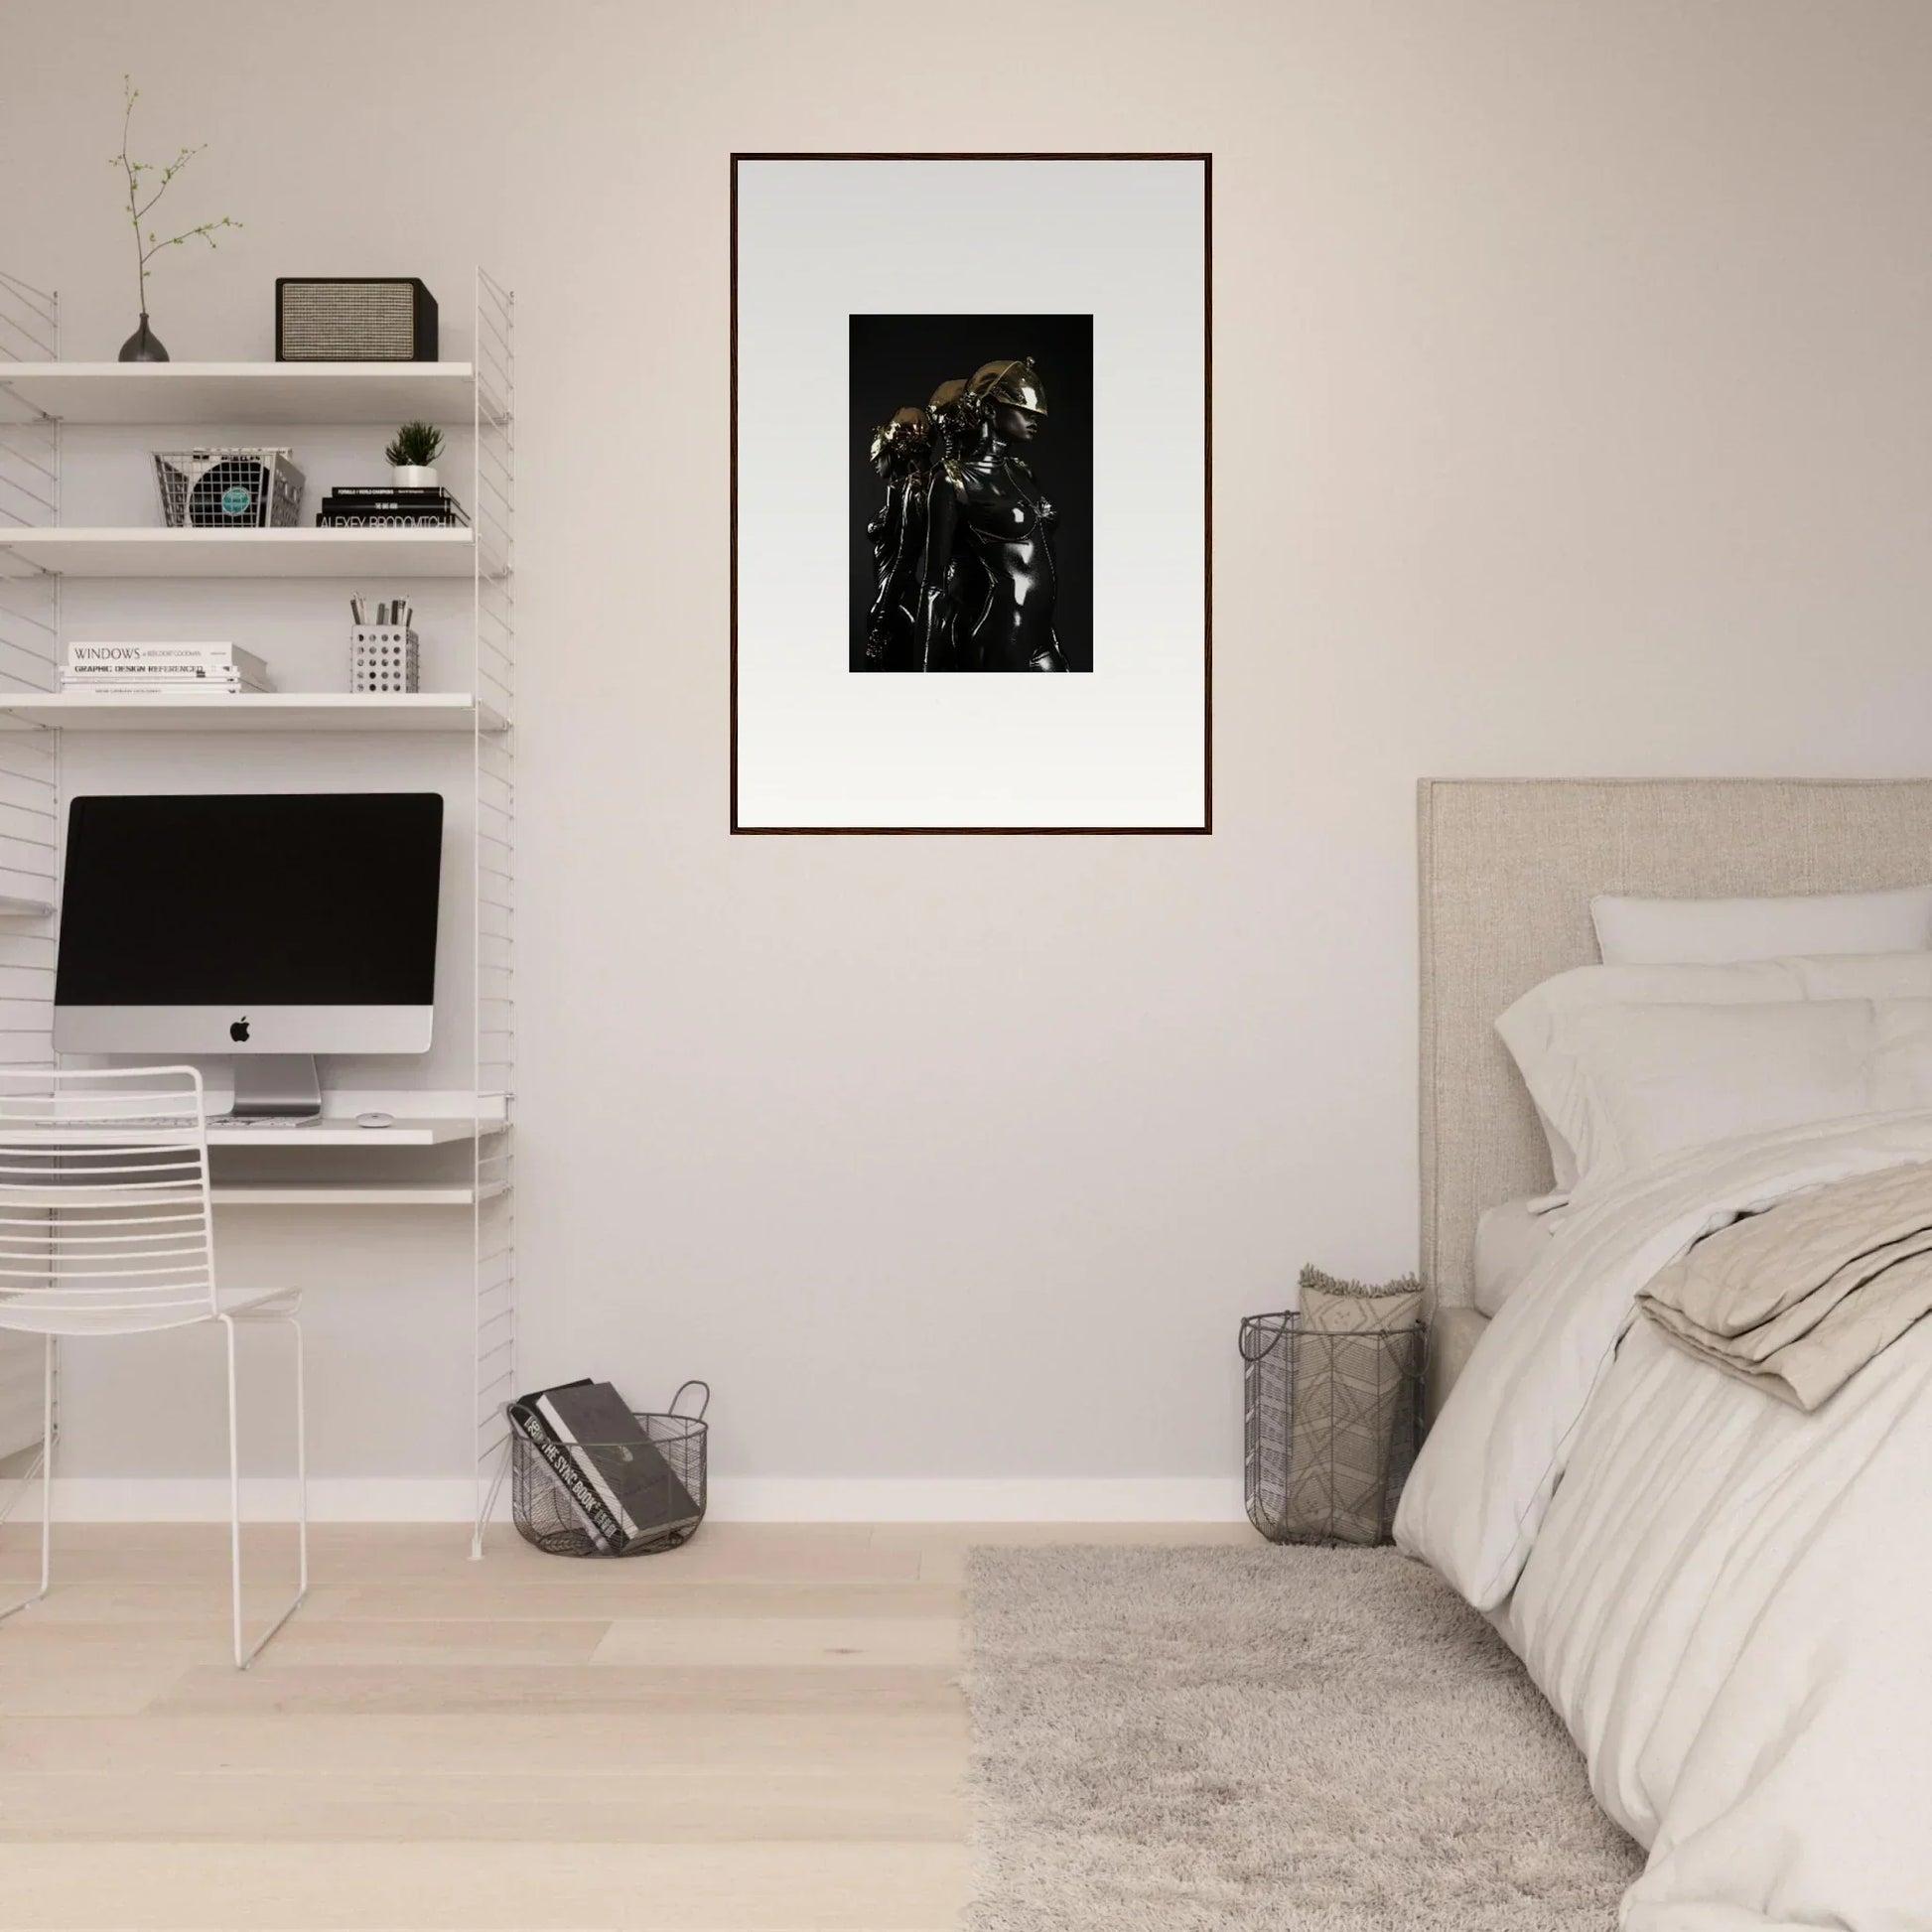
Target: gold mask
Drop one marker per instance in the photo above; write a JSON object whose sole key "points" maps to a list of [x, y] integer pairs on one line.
{"points": [[1014, 381]]}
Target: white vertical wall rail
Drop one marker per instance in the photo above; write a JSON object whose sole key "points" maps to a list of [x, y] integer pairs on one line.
{"points": [[30, 766], [493, 497]]}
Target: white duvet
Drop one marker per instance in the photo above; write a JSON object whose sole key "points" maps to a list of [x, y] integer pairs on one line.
{"points": [[1729, 1602]]}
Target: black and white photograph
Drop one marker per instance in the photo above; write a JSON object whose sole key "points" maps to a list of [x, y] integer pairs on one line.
{"points": [[963, 446], [972, 505]]}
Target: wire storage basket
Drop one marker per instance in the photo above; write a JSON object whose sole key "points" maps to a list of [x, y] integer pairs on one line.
{"points": [[228, 489], [546, 1491], [1333, 1426]]}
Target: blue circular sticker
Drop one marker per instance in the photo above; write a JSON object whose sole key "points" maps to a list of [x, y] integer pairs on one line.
{"points": [[235, 500]]}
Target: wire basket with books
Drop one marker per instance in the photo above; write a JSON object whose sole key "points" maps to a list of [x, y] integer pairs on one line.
{"points": [[590, 1476]]}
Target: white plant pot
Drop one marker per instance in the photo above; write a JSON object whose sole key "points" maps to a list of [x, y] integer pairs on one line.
{"points": [[413, 476]]}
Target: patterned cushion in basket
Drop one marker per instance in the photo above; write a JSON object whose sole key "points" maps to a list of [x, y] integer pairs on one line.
{"points": [[1348, 1388]]}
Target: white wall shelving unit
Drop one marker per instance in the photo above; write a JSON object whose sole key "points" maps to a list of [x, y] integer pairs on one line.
{"points": [[40, 397]]}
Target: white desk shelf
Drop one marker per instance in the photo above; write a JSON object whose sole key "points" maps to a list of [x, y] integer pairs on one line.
{"points": [[429, 1131], [245, 393], [47, 567], [348, 1193], [438, 1132], [139, 552], [268, 711]]}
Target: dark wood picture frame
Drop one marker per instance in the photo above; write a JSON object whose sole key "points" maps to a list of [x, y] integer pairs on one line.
{"points": [[1207, 826]]}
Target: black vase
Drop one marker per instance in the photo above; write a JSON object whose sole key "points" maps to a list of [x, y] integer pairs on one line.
{"points": [[144, 345]]}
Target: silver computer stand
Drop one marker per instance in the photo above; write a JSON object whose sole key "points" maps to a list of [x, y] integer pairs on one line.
{"points": [[276, 1086]]}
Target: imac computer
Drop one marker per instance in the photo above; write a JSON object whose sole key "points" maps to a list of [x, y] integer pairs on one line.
{"points": [[269, 928]]}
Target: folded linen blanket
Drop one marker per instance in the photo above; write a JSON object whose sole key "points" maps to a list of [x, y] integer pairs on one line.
{"points": [[1798, 1299]]}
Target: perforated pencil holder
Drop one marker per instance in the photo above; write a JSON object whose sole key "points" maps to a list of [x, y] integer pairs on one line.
{"points": [[383, 658]]}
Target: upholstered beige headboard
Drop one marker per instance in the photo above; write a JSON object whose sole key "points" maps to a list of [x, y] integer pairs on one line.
{"points": [[1507, 870]]}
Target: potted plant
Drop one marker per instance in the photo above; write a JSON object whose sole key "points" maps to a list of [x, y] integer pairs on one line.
{"points": [[144, 345], [411, 456]]}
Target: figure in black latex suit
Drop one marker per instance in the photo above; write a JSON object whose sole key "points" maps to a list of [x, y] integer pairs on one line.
{"points": [[900, 451], [988, 579]]}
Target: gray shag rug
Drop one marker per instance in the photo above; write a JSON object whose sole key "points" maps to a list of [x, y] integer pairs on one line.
{"points": [[1297, 1739]]}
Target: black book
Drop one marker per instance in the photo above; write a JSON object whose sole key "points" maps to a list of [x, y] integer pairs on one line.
{"points": [[388, 507], [408, 493], [527, 1418], [593, 1426]]}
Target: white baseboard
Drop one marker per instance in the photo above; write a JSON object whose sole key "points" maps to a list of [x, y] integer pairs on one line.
{"points": [[978, 1499], [733, 1499]]}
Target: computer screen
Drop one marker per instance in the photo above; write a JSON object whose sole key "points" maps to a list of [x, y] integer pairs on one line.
{"points": [[275, 922]]}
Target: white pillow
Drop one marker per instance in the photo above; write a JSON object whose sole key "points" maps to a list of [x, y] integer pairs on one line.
{"points": [[1657, 1079], [1544, 1028], [1664, 1078], [1656, 931]]}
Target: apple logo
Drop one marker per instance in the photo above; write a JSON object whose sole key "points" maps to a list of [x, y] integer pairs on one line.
{"points": [[239, 1030]]}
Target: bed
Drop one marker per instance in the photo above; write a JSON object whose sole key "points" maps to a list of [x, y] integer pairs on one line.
{"points": [[1723, 1597]]}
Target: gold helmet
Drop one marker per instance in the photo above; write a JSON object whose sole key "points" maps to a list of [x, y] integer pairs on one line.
{"points": [[947, 396], [905, 432], [1014, 381]]}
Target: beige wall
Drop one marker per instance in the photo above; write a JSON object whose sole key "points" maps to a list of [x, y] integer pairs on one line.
{"points": [[1574, 378]]}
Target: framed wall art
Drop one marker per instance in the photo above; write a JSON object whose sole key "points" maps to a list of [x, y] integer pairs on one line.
{"points": [[971, 491]]}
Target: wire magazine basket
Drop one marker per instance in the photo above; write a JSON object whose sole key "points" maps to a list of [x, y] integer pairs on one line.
{"points": [[547, 1514], [228, 489], [1333, 1426]]}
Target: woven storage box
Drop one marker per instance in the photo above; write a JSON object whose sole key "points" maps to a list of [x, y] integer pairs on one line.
{"points": [[382, 659], [1333, 1426], [545, 1515]]}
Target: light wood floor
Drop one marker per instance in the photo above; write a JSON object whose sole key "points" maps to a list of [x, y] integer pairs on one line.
{"points": [[760, 1732]]}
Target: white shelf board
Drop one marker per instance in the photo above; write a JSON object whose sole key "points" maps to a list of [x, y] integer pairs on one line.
{"points": [[266, 710], [139, 552], [24, 908], [421, 1132], [333, 1131], [346, 1193], [244, 392]]}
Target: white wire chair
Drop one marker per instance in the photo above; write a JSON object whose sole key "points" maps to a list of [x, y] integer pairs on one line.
{"points": [[106, 1229]]}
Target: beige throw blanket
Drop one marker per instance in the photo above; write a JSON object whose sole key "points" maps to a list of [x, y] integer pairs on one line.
{"points": [[1797, 1300]]}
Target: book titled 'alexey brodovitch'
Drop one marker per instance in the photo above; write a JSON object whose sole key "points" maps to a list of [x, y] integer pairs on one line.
{"points": [[384, 507], [617, 1478]]}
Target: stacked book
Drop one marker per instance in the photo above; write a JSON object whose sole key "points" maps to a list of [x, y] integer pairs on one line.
{"points": [[386, 506], [120, 670], [618, 1481]]}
